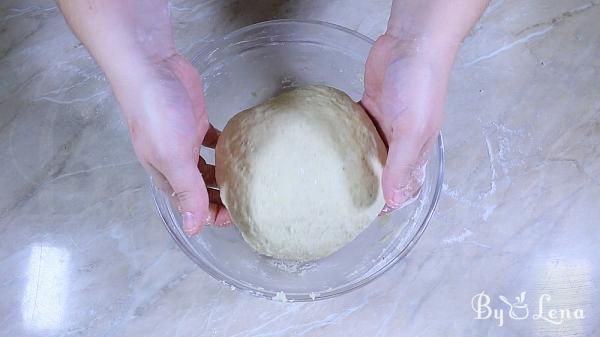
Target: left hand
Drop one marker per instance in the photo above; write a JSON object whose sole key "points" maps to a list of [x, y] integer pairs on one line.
{"points": [[405, 90], [164, 107]]}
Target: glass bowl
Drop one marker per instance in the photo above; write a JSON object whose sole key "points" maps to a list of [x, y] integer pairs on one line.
{"points": [[247, 67]]}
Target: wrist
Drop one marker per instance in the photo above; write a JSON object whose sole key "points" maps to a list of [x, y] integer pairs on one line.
{"points": [[436, 26], [435, 40], [131, 78]]}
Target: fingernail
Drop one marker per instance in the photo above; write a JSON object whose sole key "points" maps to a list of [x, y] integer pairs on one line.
{"points": [[189, 222]]}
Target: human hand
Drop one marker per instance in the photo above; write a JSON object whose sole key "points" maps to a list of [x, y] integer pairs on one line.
{"points": [[405, 90], [160, 94], [168, 123]]}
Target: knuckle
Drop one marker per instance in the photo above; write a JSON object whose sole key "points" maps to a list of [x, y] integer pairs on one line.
{"points": [[184, 200]]}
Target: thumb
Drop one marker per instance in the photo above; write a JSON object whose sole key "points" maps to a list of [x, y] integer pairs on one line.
{"points": [[403, 171], [192, 197]]}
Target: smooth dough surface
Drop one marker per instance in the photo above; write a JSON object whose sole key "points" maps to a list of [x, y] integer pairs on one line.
{"points": [[301, 173]]}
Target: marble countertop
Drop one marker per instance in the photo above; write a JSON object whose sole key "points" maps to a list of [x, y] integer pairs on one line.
{"points": [[83, 251]]}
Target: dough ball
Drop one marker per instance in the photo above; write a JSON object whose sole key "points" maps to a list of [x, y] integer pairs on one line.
{"points": [[301, 173]]}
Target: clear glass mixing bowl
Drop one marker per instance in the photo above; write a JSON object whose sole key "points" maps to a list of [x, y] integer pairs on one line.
{"points": [[242, 70]]}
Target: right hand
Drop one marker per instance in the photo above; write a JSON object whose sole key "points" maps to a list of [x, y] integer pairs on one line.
{"points": [[168, 123], [404, 94]]}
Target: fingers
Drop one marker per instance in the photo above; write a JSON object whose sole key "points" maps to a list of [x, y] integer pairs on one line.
{"points": [[216, 214], [195, 217], [207, 170], [403, 171], [190, 193], [220, 215]]}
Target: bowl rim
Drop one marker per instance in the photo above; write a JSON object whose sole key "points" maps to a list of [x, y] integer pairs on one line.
{"points": [[211, 44], [295, 297]]}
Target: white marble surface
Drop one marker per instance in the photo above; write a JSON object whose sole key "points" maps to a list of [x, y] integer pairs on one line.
{"points": [[84, 253]]}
